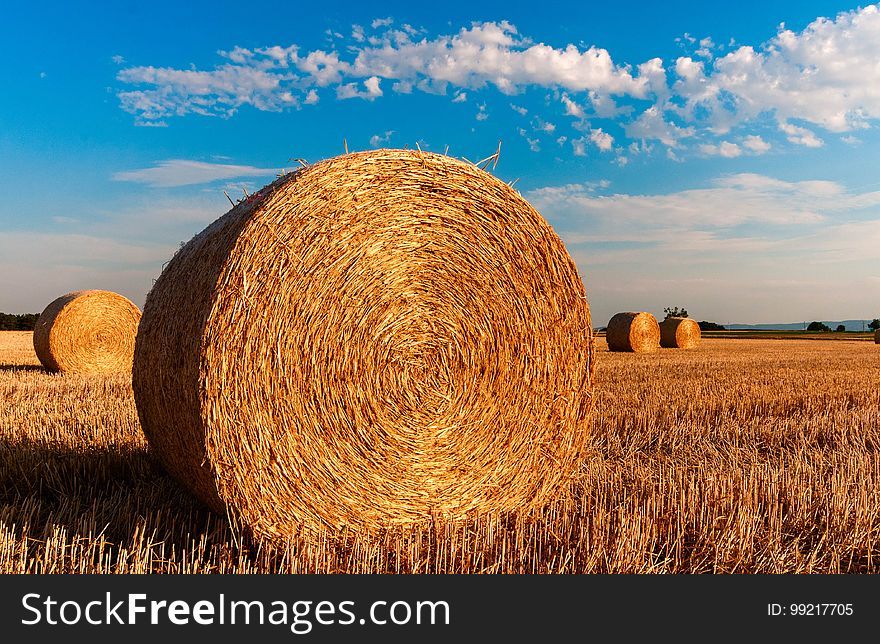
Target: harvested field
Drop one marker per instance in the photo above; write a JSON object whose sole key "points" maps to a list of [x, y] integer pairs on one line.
{"points": [[755, 456]]}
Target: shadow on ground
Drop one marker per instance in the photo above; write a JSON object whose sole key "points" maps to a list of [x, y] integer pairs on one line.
{"points": [[117, 491]]}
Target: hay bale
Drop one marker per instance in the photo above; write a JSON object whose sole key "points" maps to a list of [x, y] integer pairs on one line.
{"points": [[370, 341], [87, 332], [633, 331], [679, 333], [877, 336]]}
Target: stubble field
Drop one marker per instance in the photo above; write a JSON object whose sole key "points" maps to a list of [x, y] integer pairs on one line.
{"points": [[740, 456]]}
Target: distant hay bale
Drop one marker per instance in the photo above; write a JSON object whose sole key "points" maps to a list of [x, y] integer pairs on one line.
{"points": [[633, 331], [679, 333], [374, 340], [87, 332], [877, 336]]}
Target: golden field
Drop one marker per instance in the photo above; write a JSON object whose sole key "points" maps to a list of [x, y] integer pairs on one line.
{"points": [[739, 456]]}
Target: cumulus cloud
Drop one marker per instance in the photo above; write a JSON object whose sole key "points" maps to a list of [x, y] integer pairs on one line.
{"points": [[756, 144], [826, 75], [723, 149], [651, 124], [350, 90], [602, 140], [824, 78], [800, 135], [572, 108], [277, 77]]}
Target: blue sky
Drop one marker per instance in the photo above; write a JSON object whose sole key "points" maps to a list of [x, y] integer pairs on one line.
{"points": [[688, 154]]}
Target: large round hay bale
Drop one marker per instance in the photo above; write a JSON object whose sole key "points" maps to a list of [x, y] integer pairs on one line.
{"points": [[373, 340], [635, 331], [877, 336], [679, 333], [87, 332]]}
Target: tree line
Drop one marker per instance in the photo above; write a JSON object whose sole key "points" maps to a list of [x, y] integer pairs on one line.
{"points": [[676, 312], [19, 322]]}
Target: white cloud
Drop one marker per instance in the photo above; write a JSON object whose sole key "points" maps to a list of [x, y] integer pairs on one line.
{"points": [[822, 78], [492, 53], [519, 109], [377, 140], [601, 139], [652, 125], [756, 144], [275, 78], [370, 92], [572, 108], [482, 114], [220, 92], [724, 149], [706, 47], [579, 146], [540, 125], [826, 75], [800, 135], [182, 172]]}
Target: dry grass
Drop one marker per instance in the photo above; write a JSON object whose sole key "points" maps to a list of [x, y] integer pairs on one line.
{"points": [[755, 456]]}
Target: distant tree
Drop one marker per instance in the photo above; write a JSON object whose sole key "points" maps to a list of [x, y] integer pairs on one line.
{"points": [[22, 322], [675, 312], [840, 328], [818, 326], [711, 326], [874, 325]]}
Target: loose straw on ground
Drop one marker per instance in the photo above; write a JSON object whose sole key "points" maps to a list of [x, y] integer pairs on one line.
{"points": [[679, 333], [381, 338], [87, 332], [633, 331]]}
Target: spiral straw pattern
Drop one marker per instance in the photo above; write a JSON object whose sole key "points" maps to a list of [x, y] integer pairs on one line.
{"points": [[633, 331], [381, 338], [87, 332], [679, 333]]}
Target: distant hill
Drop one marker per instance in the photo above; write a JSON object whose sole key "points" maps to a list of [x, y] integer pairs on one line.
{"points": [[851, 325]]}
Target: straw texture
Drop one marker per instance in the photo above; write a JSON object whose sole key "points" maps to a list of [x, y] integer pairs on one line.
{"points": [[633, 331], [87, 332], [679, 333], [378, 339]]}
